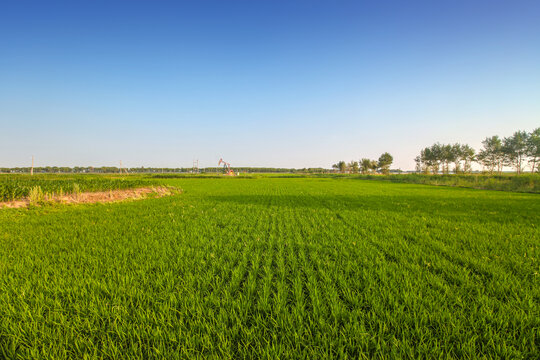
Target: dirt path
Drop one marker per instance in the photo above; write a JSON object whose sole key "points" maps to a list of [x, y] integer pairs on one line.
{"points": [[98, 197]]}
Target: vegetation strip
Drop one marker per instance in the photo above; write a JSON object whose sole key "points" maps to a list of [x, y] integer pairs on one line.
{"points": [[527, 183], [38, 198], [19, 186]]}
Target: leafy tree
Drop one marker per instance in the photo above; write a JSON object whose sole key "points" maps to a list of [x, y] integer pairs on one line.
{"points": [[467, 156], [492, 156], [419, 164], [366, 165], [515, 149], [426, 160], [385, 160], [533, 148], [447, 156], [342, 166], [456, 157], [353, 167], [437, 157], [431, 158]]}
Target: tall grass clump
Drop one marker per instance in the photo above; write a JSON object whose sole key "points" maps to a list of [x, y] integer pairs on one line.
{"points": [[76, 191], [36, 196]]}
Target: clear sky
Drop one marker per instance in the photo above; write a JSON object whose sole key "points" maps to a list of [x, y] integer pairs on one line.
{"points": [[261, 83]]}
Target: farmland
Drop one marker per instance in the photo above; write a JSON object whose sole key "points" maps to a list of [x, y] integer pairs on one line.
{"points": [[275, 268], [18, 186]]}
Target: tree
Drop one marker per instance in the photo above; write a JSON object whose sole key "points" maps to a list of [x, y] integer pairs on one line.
{"points": [[431, 157], [426, 160], [533, 148], [353, 167], [467, 156], [456, 157], [515, 149], [492, 156], [342, 166], [366, 165], [446, 158], [385, 160], [437, 155], [335, 167], [418, 162]]}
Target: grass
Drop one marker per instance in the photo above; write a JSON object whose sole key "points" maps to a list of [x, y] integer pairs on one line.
{"points": [[275, 268]]}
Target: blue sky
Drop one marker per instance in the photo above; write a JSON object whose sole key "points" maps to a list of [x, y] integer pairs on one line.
{"points": [[261, 83]]}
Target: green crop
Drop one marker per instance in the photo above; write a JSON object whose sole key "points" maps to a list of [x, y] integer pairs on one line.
{"points": [[275, 268], [20, 186]]}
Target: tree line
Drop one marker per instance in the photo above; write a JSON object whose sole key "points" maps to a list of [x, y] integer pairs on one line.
{"points": [[517, 151], [365, 165], [152, 170]]}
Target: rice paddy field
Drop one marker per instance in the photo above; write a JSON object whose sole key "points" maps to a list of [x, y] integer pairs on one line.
{"points": [[275, 268]]}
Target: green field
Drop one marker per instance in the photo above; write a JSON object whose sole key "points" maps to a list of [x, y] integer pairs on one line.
{"points": [[275, 268]]}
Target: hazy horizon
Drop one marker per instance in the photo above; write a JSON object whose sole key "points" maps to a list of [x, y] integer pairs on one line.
{"points": [[261, 84]]}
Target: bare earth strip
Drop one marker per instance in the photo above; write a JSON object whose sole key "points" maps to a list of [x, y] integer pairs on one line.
{"points": [[98, 197]]}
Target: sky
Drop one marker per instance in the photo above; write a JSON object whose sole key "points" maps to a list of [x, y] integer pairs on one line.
{"points": [[261, 83]]}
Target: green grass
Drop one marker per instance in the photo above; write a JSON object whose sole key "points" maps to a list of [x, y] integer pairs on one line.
{"points": [[275, 268], [20, 186]]}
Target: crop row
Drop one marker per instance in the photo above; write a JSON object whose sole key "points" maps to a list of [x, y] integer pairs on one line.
{"points": [[14, 187]]}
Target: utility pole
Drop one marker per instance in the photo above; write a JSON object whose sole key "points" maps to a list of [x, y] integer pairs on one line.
{"points": [[32, 168]]}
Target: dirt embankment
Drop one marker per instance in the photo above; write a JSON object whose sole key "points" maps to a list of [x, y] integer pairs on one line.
{"points": [[96, 197]]}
